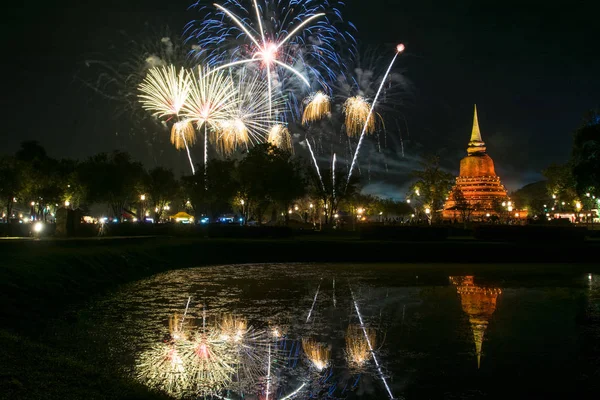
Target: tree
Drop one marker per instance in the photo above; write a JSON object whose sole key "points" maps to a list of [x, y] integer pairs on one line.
{"points": [[561, 185], [161, 187], [585, 156], [432, 185], [11, 182], [114, 179]]}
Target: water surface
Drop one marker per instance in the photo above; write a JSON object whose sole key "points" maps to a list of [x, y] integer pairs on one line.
{"points": [[351, 332]]}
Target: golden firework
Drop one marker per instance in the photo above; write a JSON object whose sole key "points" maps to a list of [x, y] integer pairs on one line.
{"points": [[317, 353], [232, 134], [233, 327], [279, 136], [165, 91], [357, 346], [318, 106], [183, 133], [357, 110]]}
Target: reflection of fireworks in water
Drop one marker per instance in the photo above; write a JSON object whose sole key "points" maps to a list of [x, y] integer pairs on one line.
{"points": [[179, 328], [357, 110], [209, 361], [317, 353], [357, 345], [370, 345], [163, 368], [250, 347], [318, 106], [279, 136]]}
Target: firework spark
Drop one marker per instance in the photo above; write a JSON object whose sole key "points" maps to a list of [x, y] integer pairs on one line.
{"points": [[319, 106], [279, 136], [399, 49], [358, 114], [357, 345], [317, 353]]}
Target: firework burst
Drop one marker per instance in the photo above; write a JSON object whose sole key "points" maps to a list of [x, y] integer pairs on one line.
{"points": [[357, 345], [356, 110], [279, 136], [317, 353], [165, 91], [318, 106], [252, 119], [289, 38]]}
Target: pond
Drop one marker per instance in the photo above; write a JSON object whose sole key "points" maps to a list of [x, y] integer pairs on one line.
{"points": [[300, 331]]}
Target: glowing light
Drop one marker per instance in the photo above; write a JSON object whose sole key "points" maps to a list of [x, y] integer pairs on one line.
{"points": [[67, 203], [318, 106], [38, 227], [358, 115], [400, 48], [317, 353]]}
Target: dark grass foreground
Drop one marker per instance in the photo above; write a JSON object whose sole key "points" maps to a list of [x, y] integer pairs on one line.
{"points": [[47, 279]]}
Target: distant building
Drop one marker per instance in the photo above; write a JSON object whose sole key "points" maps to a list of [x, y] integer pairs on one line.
{"points": [[478, 191]]}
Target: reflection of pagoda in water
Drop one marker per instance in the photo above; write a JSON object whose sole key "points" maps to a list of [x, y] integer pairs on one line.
{"points": [[479, 303]]}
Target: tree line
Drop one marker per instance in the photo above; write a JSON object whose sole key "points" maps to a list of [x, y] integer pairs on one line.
{"points": [[266, 184]]}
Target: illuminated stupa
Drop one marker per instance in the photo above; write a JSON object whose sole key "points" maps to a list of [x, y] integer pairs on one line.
{"points": [[477, 180], [479, 303]]}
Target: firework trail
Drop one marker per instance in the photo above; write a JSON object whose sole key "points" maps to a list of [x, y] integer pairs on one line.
{"points": [[312, 154], [333, 178], [313, 304], [370, 345], [334, 301], [399, 49]]}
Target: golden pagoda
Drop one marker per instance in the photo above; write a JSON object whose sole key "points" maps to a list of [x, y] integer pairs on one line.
{"points": [[479, 303], [477, 181]]}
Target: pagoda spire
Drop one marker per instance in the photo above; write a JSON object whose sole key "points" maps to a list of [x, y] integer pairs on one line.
{"points": [[476, 144]]}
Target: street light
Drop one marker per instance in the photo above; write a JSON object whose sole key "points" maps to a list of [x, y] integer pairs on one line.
{"points": [[143, 197], [67, 203]]}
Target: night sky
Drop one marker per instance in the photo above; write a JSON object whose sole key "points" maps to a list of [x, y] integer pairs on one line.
{"points": [[531, 67]]}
